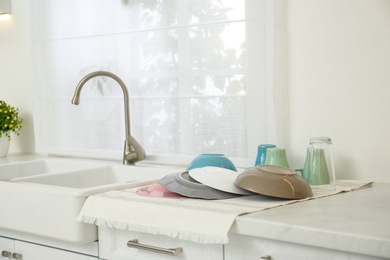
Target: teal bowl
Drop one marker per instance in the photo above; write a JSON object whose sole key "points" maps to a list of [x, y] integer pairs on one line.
{"points": [[216, 160]]}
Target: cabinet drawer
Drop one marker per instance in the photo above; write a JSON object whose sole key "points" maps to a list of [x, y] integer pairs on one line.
{"points": [[254, 248], [113, 245], [30, 251]]}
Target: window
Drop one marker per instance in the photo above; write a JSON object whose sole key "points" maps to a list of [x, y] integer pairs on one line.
{"points": [[198, 72]]}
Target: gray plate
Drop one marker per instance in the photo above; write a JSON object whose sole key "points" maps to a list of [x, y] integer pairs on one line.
{"points": [[183, 184]]}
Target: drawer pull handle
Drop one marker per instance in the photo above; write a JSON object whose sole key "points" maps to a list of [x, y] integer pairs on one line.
{"points": [[17, 256], [266, 257], [168, 251], [6, 253]]}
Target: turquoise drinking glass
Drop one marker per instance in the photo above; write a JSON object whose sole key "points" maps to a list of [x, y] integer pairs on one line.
{"points": [[262, 153]]}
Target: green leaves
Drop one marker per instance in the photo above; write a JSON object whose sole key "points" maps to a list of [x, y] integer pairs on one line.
{"points": [[10, 121]]}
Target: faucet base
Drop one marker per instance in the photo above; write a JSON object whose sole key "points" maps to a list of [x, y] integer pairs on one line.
{"points": [[133, 151]]}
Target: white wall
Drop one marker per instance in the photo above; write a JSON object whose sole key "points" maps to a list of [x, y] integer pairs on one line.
{"points": [[338, 61], [339, 83], [15, 71]]}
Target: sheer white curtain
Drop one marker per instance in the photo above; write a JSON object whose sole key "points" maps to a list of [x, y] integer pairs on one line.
{"points": [[199, 75]]}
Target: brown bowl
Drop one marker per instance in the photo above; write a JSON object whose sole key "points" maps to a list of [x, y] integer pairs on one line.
{"points": [[275, 181]]}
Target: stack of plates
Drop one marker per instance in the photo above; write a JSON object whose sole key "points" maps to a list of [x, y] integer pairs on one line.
{"points": [[221, 183]]}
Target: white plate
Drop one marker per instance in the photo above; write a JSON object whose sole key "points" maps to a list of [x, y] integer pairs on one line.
{"points": [[218, 178]]}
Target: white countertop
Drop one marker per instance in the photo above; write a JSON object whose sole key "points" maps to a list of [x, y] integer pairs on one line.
{"points": [[357, 222]]}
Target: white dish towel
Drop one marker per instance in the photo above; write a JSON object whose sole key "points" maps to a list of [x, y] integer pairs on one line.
{"points": [[197, 220]]}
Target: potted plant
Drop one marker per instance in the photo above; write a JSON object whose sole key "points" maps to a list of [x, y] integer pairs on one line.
{"points": [[10, 122]]}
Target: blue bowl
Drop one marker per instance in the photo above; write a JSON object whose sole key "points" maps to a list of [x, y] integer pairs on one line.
{"points": [[216, 160]]}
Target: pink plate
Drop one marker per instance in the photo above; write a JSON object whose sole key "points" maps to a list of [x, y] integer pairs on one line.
{"points": [[157, 191]]}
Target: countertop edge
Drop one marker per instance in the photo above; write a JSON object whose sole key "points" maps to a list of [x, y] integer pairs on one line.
{"points": [[318, 238]]}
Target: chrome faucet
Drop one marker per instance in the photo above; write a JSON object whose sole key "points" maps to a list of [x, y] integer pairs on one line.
{"points": [[133, 151]]}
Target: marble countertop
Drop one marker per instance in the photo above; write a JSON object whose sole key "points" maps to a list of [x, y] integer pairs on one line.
{"points": [[356, 222]]}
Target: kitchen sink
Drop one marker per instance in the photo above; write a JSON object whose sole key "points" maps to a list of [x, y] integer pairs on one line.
{"points": [[42, 166], [44, 197]]}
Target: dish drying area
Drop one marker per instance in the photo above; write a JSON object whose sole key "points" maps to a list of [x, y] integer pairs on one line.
{"points": [[193, 212], [204, 205]]}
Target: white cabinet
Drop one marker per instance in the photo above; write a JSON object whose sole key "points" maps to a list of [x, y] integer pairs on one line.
{"points": [[254, 248], [15, 249], [113, 245]]}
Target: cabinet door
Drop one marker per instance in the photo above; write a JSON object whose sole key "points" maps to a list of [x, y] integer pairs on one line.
{"points": [[6, 247], [254, 248], [113, 245], [29, 251]]}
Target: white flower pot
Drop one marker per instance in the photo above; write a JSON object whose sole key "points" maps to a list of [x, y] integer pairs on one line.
{"points": [[4, 146]]}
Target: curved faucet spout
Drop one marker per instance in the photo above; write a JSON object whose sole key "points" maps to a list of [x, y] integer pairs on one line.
{"points": [[133, 151]]}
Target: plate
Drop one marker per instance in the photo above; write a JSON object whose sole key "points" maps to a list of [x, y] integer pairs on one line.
{"points": [[274, 181], [157, 191], [183, 184], [218, 178]]}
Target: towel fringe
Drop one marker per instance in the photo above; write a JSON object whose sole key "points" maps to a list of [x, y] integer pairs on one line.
{"points": [[182, 235]]}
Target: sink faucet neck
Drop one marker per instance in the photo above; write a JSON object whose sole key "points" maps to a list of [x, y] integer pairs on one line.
{"points": [[133, 151]]}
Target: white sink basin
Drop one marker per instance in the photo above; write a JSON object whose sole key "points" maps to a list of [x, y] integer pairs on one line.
{"points": [[48, 203], [43, 166]]}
